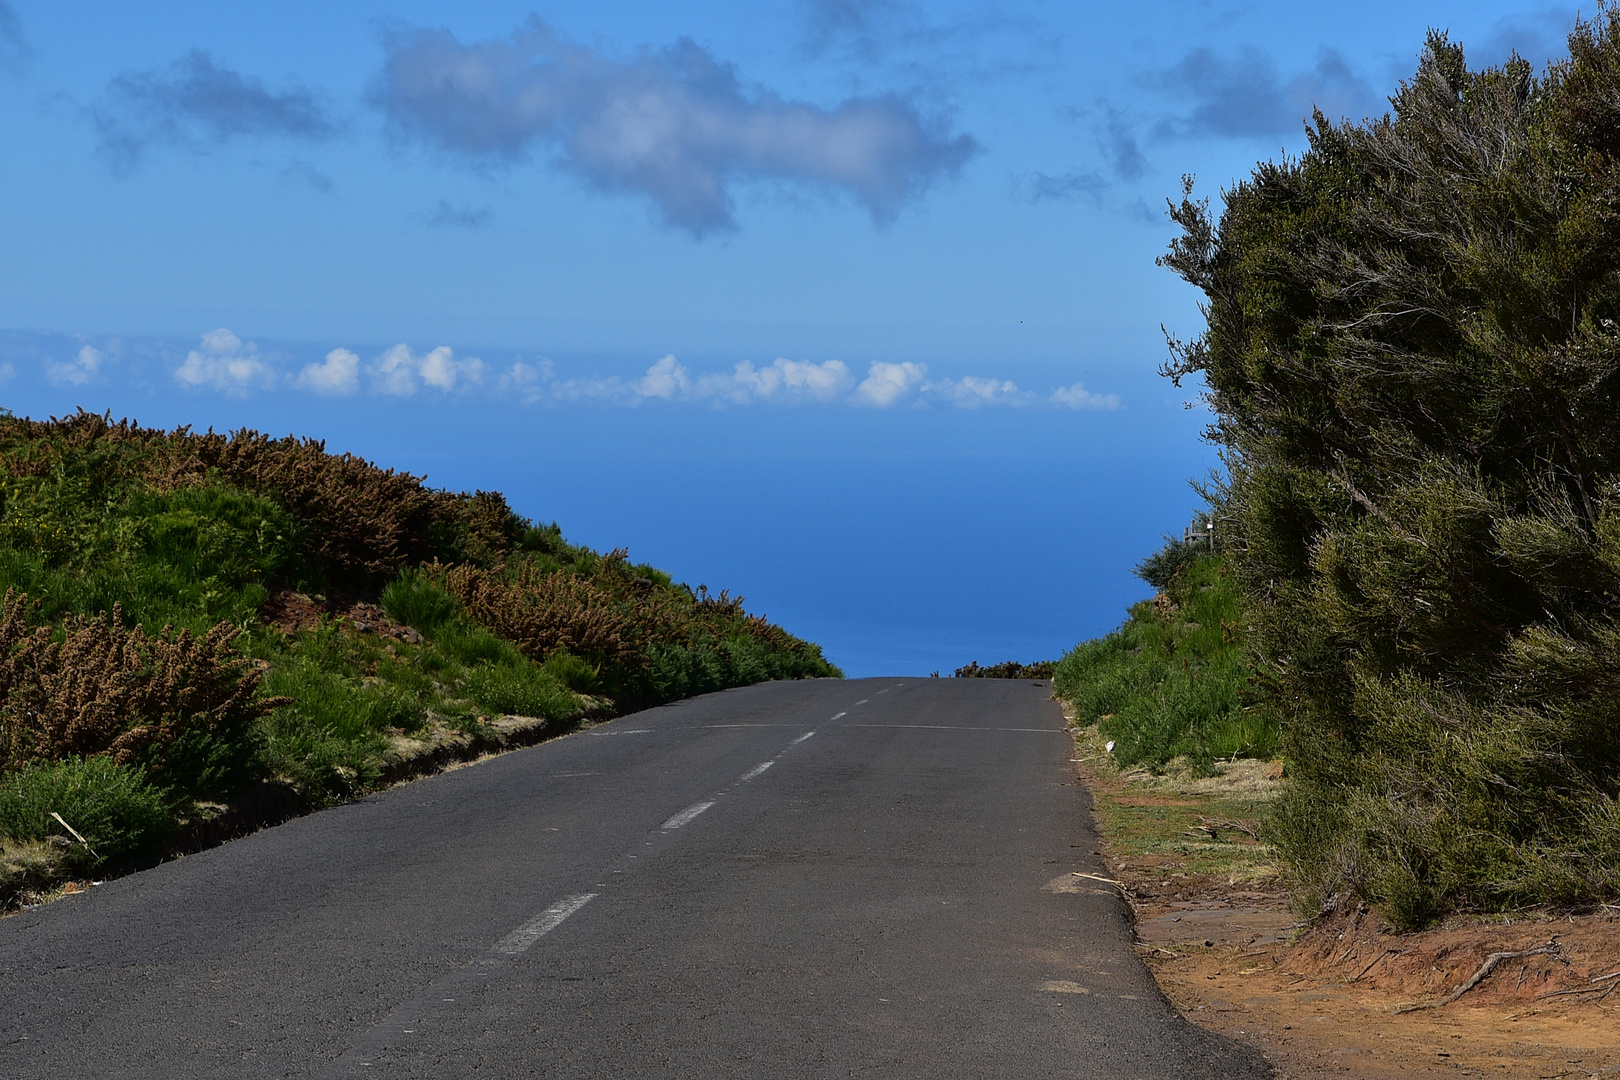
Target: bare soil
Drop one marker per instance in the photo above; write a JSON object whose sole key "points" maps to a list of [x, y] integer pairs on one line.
{"points": [[1345, 995], [290, 612]]}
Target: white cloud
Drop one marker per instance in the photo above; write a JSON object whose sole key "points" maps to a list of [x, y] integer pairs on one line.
{"points": [[224, 362], [397, 370], [527, 382], [677, 125], [886, 383], [666, 379], [78, 371], [970, 392], [441, 368], [1078, 397], [337, 376], [781, 381]]}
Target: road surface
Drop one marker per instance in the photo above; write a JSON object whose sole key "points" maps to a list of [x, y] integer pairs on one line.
{"points": [[865, 878]]}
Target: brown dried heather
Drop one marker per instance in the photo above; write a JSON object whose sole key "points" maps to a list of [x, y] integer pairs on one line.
{"points": [[541, 612], [609, 617], [103, 689], [38, 447], [357, 519]]}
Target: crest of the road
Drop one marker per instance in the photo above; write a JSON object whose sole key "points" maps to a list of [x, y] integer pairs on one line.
{"points": [[876, 878]]}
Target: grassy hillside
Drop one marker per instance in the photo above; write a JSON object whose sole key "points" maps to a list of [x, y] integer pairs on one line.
{"points": [[188, 615], [1169, 682]]}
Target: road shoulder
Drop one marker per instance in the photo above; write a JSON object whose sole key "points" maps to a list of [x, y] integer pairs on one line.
{"points": [[1345, 994]]}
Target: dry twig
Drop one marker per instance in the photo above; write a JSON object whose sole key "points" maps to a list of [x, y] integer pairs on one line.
{"points": [[1484, 971], [1380, 956]]}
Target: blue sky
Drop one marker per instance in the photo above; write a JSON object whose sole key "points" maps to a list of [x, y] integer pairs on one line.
{"points": [[845, 305]]}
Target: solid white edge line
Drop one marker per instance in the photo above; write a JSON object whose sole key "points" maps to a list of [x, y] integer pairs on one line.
{"points": [[687, 815], [755, 771], [521, 939]]}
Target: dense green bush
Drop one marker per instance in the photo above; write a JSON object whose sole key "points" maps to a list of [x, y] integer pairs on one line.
{"points": [[414, 600], [1160, 568], [1413, 355], [118, 813]]}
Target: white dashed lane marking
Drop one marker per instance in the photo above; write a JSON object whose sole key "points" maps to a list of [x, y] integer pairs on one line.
{"points": [[687, 815], [524, 937], [521, 939]]}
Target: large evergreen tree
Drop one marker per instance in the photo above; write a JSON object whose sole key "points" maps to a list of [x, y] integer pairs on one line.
{"points": [[1413, 356]]}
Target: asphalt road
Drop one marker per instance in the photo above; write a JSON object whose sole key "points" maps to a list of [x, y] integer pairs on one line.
{"points": [[867, 878]]}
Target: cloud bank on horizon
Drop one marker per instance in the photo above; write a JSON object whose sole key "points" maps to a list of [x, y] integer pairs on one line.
{"points": [[222, 362]]}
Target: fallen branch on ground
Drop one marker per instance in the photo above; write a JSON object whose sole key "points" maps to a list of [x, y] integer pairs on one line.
{"points": [[1099, 877], [1380, 956], [1589, 989], [1479, 976], [1212, 828]]}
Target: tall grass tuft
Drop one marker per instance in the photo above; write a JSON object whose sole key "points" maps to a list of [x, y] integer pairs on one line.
{"points": [[524, 689], [414, 600]]}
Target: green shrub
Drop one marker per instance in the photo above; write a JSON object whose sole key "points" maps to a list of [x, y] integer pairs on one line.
{"points": [[1007, 669], [120, 815], [1171, 681], [523, 689], [190, 558], [574, 673], [1161, 568], [213, 531], [414, 600]]}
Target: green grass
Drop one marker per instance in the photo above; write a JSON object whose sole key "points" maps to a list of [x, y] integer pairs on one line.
{"points": [[1169, 683], [415, 601], [350, 695], [1150, 819], [118, 815], [518, 690], [191, 559]]}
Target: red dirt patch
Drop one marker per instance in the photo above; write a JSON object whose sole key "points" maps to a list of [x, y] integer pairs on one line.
{"points": [[290, 612], [1351, 997], [1328, 1006]]}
